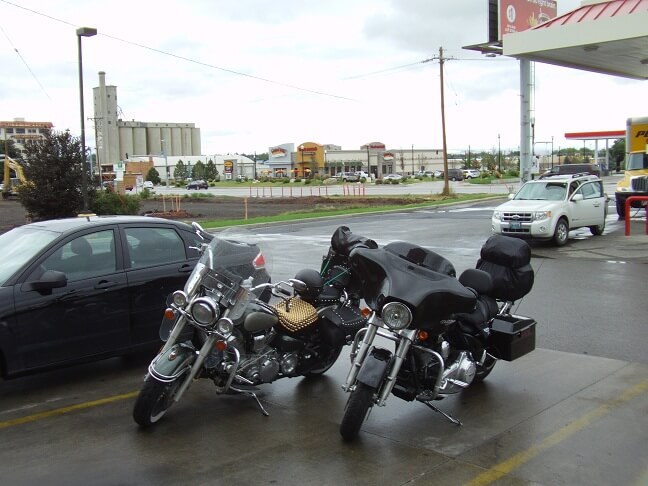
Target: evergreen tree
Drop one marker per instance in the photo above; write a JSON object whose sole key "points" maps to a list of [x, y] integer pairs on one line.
{"points": [[153, 175], [198, 170], [52, 167], [180, 172], [210, 170]]}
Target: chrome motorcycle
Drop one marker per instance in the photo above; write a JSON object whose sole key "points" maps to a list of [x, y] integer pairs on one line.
{"points": [[447, 332], [231, 325]]}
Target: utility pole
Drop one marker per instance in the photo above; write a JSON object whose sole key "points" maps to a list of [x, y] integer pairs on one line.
{"points": [[446, 187]]}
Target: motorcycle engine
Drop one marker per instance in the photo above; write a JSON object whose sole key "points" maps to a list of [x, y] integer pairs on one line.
{"points": [[259, 362], [458, 373]]}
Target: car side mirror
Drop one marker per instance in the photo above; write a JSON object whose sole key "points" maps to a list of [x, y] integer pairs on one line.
{"points": [[577, 197], [511, 196], [51, 279]]}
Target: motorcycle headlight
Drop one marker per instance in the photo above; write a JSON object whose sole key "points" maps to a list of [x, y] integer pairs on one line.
{"points": [[396, 315], [204, 311], [225, 326], [179, 298]]}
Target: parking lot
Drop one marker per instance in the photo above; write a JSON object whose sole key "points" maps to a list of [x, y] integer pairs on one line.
{"points": [[551, 417]]}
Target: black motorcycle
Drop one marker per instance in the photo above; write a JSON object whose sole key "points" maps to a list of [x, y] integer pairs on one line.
{"points": [[231, 325], [447, 332]]}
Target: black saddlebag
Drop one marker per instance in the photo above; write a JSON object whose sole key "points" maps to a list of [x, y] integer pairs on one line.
{"points": [[511, 337], [507, 260]]}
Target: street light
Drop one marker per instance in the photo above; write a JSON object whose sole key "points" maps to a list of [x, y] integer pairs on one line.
{"points": [[499, 154], [166, 165], [83, 32]]}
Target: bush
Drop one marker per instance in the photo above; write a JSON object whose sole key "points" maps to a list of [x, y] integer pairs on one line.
{"points": [[379, 181], [109, 202]]}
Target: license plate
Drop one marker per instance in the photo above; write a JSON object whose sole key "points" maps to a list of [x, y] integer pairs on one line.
{"points": [[515, 225]]}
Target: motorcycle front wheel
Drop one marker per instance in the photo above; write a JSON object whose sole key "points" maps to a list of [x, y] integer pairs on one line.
{"points": [[360, 400], [154, 399]]}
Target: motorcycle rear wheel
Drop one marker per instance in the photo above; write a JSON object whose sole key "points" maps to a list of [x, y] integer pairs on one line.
{"points": [[326, 363], [484, 370], [358, 405], [154, 399]]}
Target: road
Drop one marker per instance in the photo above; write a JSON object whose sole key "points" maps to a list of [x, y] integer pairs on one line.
{"points": [[568, 413]]}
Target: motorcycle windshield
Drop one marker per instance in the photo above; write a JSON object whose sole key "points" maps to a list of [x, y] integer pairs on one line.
{"points": [[387, 277], [230, 265]]}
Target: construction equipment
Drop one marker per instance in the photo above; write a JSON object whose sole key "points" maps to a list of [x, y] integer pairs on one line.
{"points": [[11, 183]]}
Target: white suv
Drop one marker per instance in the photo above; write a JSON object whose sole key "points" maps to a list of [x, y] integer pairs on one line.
{"points": [[549, 208]]}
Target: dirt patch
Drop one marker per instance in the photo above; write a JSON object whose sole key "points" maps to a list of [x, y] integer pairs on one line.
{"points": [[12, 213]]}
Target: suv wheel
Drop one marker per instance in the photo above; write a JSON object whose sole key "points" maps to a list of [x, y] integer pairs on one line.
{"points": [[561, 233]]}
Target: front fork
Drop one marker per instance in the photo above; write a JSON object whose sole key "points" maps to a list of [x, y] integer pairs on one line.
{"points": [[403, 340]]}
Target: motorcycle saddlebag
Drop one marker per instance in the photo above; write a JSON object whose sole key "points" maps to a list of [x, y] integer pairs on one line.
{"points": [[507, 260], [511, 336]]}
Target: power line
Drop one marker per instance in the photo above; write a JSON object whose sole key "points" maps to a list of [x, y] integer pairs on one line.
{"points": [[194, 61], [25, 63]]}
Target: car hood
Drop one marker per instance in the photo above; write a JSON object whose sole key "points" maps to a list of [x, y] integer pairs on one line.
{"points": [[528, 205]]}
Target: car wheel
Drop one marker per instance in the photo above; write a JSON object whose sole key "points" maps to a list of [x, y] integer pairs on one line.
{"points": [[453, 179], [561, 233], [598, 229]]}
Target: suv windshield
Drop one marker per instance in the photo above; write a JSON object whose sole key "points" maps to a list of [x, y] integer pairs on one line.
{"points": [[539, 191]]}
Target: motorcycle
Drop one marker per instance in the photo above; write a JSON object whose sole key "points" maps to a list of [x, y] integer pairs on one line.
{"points": [[232, 325], [447, 332]]}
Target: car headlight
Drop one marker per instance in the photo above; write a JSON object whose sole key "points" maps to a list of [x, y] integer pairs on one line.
{"points": [[204, 311], [179, 299], [396, 315], [497, 215], [541, 215]]}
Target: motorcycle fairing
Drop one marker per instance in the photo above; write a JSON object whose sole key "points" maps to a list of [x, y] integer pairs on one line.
{"points": [[433, 296], [173, 362]]}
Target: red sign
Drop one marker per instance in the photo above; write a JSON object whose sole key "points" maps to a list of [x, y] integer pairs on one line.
{"points": [[520, 15]]}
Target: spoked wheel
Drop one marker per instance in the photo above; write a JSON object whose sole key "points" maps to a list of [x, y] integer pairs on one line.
{"points": [[328, 361], [154, 399], [356, 411], [484, 370]]}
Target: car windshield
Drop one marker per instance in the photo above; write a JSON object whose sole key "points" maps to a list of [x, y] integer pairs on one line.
{"points": [[19, 245], [548, 191]]}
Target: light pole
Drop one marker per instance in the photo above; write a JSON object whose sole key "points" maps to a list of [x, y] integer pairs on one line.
{"points": [[166, 165], [552, 151], [83, 32], [499, 154]]}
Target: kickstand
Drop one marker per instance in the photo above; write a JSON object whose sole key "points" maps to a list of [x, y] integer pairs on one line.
{"points": [[449, 417], [253, 395]]}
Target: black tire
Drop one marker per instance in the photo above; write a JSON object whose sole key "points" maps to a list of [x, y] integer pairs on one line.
{"points": [[561, 233], [358, 405], [620, 208], [597, 230], [326, 364], [484, 370], [154, 399]]}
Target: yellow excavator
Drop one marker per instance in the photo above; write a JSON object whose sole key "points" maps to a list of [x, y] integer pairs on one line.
{"points": [[10, 183]]}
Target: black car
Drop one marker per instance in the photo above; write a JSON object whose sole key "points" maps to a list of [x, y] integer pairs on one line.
{"points": [[198, 184], [86, 288]]}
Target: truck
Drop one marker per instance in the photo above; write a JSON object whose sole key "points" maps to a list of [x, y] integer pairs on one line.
{"points": [[635, 177]]}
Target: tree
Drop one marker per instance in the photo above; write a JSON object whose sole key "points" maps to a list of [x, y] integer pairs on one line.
{"points": [[617, 153], [52, 167], [180, 172], [198, 170], [153, 175], [210, 170]]}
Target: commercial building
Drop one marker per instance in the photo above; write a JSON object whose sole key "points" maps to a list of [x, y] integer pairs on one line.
{"points": [[23, 132]]}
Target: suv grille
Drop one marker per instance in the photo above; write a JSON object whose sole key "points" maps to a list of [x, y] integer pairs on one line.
{"points": [[640, 184], [521, 217]]}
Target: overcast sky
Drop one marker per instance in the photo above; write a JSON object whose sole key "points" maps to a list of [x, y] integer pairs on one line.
{"points": [[257, 73]]}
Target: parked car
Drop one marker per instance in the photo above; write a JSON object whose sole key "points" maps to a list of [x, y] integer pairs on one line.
{"points": [[572, 169], [347, 177], [87, 288], [392, 177], [198, 184], [471, 173], [454, 175], [548, 209], [148, 185], [362, 174]]}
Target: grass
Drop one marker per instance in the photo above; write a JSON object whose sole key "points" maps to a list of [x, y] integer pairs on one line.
{"points": [[325, 212]]}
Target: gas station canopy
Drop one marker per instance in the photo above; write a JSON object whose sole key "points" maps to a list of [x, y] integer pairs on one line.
{"points": [[609, 37]]}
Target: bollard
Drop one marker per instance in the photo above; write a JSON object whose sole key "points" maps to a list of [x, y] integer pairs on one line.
{"points": [[628, 201]]}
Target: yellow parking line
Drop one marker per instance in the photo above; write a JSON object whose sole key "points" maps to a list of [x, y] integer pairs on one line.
{"points": [[503, 468], [61, 411]]}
